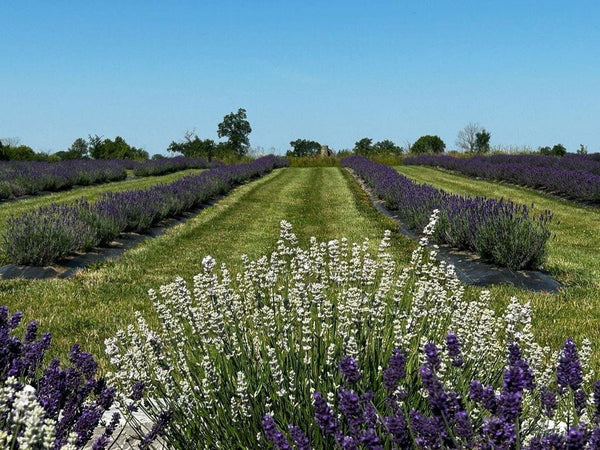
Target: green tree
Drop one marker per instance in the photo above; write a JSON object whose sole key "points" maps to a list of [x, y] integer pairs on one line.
{"points": [[119, 148], [22, 153], [482, 141], [79, 149], [3, 155], [559, 150], [363, 147], [582, 150], [386, 147], [428, 144], [194, 147], [236, 128], [95, 144], [304, 147]]}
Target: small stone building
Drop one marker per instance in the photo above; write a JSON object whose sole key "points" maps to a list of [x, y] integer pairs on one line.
{"points": [[326, 151]]}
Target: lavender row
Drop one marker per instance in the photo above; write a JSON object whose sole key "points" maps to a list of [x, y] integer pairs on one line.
{"points": [[19, 178], [167, 165], [583, 163], [564, 176], [499, 230], [52, 232]]}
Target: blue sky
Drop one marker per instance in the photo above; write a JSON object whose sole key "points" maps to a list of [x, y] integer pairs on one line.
{"points": [[334, 71]]}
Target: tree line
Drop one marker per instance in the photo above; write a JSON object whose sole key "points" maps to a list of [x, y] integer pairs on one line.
{"points": [[472, 139]]}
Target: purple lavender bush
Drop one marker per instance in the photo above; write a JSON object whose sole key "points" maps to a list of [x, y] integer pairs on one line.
{"points": [[167, 165], [499, 230], [52, 232], [574, 176], [53, 406], [515, 412]]}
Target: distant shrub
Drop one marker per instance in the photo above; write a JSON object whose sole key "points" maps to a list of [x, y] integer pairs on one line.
{"points": [[304, 147], [556, 150], [428, 144]]}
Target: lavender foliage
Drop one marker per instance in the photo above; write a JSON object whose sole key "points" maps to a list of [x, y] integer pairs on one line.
{"points": [[502, 231], [73, 398], [167, 165], [18, 178], [52, 232], [480, 419], [573, 176]]}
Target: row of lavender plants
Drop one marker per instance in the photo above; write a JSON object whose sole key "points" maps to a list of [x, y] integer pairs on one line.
{"points": [[502, 231], [52, 232], [18, 178], [571, 161], [333, 346], [576, 177], [167, 165]]}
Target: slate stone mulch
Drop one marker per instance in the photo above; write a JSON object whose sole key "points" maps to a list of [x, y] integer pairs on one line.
{"points": [[470, 268]]}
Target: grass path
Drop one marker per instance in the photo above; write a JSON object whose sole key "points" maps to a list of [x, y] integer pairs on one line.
{"points": [[324, 202], [573, 256]]}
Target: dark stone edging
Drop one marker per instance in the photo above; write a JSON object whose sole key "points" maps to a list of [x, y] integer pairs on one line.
{"points": [[470, 268]]}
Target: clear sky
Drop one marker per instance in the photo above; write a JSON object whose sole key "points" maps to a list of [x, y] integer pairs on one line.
{"points": [[331, 71]]}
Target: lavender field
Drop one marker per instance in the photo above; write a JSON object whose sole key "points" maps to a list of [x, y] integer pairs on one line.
{"points": [[355, 338]]}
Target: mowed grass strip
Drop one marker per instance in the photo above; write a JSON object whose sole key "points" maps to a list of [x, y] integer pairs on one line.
{"points": [[321, 202], [573, 257]]}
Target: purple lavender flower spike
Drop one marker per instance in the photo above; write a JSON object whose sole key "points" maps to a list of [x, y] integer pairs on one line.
{"points": [[594, 442], [370, 440], [575, 439], [548, 400], [347, 443], [158, 429], [273, 434], [324, 415], [568, 371], [501, 434], [349, 404], [300, 440], [580, 400], [464, 430], [429, 432], [396, 370], [453, 346], [349, 369], [398, 429], [433, 358], [438, 399]]}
